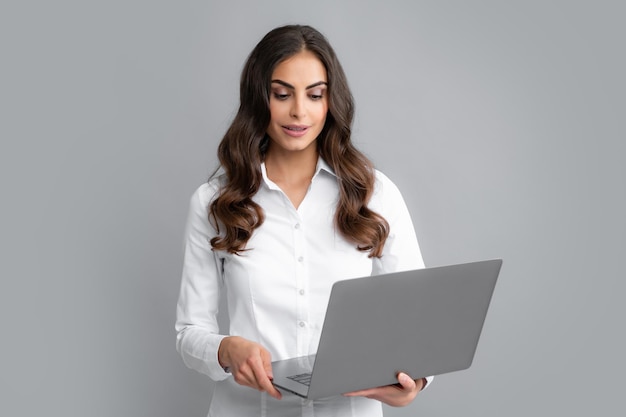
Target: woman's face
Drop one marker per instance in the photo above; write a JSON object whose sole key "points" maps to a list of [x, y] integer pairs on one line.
{"points": [[298, 103]]}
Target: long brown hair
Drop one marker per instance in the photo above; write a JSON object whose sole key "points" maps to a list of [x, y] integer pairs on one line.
{"points": [[243, 148]]}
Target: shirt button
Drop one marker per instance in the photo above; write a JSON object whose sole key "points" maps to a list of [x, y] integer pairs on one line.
{"points": [[297, 226], [301, 324], [301, 292], [300, 259]]}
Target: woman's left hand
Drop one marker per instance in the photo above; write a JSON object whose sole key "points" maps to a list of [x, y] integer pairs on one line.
{"points": [[397, 395]]}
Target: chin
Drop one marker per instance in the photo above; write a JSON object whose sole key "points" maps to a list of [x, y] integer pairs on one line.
{"points": [[291, 145]]}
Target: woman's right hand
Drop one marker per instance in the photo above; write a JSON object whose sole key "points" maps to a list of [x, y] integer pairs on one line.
{"points": [[249, 362]]}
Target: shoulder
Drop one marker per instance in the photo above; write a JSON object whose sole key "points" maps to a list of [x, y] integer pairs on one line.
{"points": [[209, 190], [198, 218], [382, 180], [385, 190], [387, 200]]}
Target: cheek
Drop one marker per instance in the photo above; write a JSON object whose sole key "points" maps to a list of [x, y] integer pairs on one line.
{"points": [[275, 110], [322, 111], [324, 114]]}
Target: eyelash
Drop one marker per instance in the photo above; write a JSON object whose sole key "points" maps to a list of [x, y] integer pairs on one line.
{"points": [[283, 97]]}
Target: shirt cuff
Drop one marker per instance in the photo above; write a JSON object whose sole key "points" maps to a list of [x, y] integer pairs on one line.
{"points": [[428, 379], [199, 352]]}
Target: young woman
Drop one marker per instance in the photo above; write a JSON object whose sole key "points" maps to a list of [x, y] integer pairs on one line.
{"points": [[296, 208]]}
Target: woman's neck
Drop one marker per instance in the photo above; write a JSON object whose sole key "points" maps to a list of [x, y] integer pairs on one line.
{"points": [[291, 167], [292, 172]]}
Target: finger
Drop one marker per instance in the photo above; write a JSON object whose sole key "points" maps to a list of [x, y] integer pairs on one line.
{"points": [[267, 364], [362, 393], [267, 386], [263, 381], [406, 382], [245, 376]]}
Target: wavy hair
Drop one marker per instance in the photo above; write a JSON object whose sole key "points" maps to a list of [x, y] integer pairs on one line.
{"points": [[233, 212]]}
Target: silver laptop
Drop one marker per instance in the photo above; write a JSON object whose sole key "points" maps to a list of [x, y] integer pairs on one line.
{"points": [[423, 322]]}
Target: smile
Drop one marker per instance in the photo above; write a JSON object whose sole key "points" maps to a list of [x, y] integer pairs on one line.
{"points": [[295, 130]]}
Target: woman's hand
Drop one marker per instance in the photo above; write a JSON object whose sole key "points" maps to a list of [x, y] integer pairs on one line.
{"points": [[396, 395], [249, 362]]}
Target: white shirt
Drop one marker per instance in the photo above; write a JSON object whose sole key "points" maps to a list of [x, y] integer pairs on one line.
{"points": [[277, 291]]}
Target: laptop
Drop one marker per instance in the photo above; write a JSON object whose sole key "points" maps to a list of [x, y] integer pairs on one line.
{"points": [[423, 322]]}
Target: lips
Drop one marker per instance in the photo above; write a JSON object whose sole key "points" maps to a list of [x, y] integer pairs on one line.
{"points": [[295, 130]]}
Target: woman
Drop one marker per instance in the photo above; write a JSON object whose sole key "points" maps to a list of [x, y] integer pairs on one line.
{"points": [[296, 209]]}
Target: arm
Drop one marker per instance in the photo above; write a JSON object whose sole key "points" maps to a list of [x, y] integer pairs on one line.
{"points": [[401, 253], [198, 340], [198, 337]]}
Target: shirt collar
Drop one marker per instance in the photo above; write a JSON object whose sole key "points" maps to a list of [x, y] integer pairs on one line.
{"points": [[269, 183], [322, 165]]}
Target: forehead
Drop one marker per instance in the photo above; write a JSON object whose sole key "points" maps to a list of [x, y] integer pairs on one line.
{"points": [[304, 68]]}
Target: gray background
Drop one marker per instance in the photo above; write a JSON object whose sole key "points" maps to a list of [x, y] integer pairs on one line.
{"points": [[502, 122]]}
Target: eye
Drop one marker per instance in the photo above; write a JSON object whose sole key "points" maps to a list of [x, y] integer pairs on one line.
{"points": [[281, 96], [316, 95]]}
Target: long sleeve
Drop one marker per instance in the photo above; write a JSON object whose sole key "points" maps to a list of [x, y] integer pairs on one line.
{"points": [[401, 251], [198, 337]]}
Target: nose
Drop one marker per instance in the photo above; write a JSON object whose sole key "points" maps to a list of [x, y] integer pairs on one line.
{"points": [[298, 108]]}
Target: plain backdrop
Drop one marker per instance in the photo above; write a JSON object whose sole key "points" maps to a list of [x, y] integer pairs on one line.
{"points": [[501, 121]]}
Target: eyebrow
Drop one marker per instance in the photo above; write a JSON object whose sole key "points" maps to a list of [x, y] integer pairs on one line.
{"points": [[284, 84]]}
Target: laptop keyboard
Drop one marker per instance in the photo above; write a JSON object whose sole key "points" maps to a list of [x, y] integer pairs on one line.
{"points": [[304, 379]]}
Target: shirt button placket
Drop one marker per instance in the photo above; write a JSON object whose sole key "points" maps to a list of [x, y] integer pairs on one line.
{"points": [[300, 285]]}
